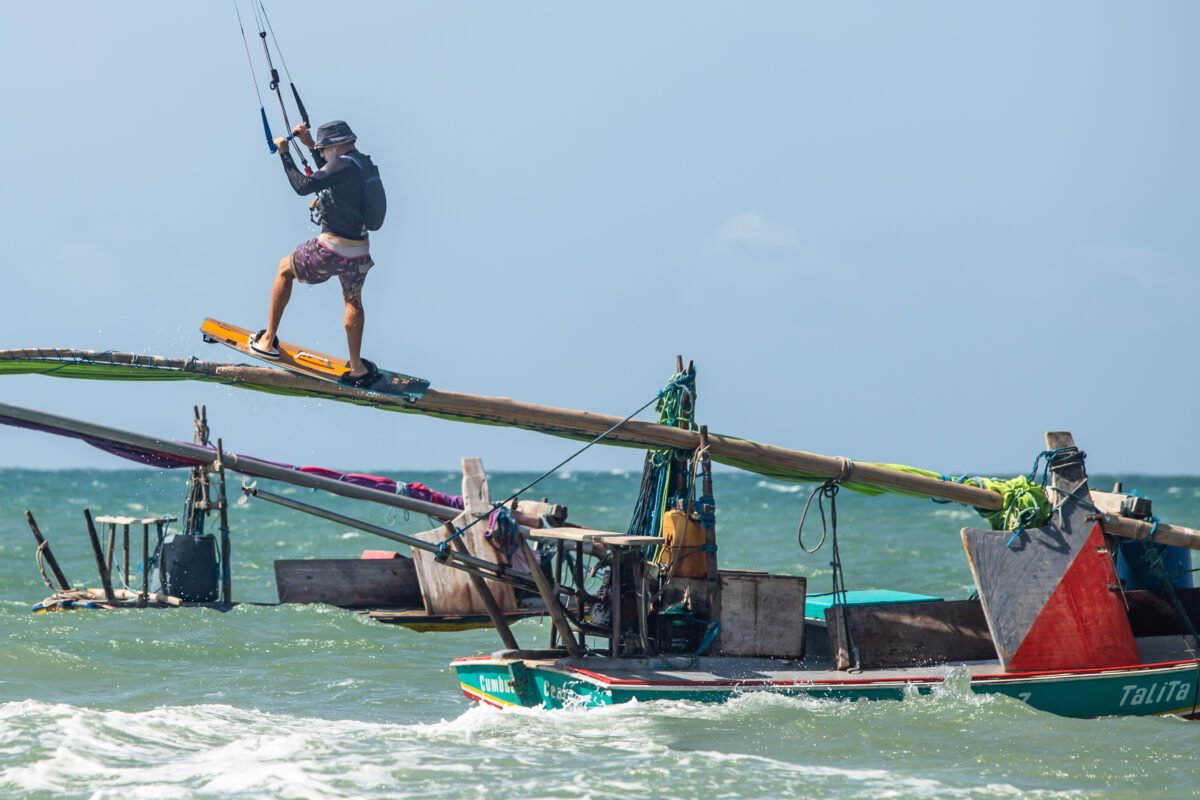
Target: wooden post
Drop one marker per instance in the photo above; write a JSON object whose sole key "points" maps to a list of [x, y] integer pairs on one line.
{"points": [[145, 563], [112, 544], [226, 545], [105, 580], [125, 544], [44, 547], [614, 596], [640, 597], [707, 517], [557, 614], [485, 594]]}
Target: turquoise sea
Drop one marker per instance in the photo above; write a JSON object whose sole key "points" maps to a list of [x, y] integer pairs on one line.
{"points": [[316, 702]]}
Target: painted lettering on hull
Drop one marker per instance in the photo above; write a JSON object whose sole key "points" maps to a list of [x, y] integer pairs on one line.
{"points": [[1165, 692], [493, 685]]}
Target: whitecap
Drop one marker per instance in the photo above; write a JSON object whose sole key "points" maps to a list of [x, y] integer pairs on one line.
{"points": [[782, 488]]}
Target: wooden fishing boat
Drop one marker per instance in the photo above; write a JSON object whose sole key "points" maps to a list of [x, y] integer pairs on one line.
{"points": [[501, 681], [1053, 627], [1053, 623]]}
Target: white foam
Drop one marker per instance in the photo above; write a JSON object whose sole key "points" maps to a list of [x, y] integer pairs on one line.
{"points": [[781, 488]]}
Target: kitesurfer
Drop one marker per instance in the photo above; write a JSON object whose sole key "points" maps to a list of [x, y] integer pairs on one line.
{"points": [[349, 203]]}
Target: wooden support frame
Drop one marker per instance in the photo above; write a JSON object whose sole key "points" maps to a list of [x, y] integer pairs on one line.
{"points": [[489, 602], [558, 614], [47, 555], [105, 578]]}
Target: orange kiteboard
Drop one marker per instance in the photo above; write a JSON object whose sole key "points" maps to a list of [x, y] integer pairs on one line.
{"points": [[309, 362]]}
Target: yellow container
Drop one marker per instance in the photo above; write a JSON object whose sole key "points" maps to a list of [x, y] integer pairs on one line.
{"points": [[683, 539]]}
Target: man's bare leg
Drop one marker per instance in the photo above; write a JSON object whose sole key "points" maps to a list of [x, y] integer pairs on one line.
{"points": [[354, 319], [281, 293]]}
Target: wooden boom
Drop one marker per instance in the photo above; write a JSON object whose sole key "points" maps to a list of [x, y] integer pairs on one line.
{"points": [[729, 450], [725, 449]]}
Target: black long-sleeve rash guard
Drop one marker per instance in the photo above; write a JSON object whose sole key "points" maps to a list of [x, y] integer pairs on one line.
{"points": [[339, 186]]}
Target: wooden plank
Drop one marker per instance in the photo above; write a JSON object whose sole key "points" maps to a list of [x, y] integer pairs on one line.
{"points": [[761, 615], [450, 591], [586, 535], [349, 582], [894, 635], [134, 520]]}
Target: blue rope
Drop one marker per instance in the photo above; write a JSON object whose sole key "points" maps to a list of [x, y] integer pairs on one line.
{"points": [[948, 479], [708, 518], [710, 636], [1153, 528], [1051, 457], [444, 544], [1020, 530]]}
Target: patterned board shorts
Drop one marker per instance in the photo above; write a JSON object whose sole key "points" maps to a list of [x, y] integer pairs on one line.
{"points": [[313, 262]]}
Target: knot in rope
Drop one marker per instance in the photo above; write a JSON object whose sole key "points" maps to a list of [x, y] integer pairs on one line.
{"points": [[1057, 457], [708, 511], [443, 550], [1153, 520]]}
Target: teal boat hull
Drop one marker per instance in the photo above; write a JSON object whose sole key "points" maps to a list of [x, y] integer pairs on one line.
{"points": [[1148, 689]]}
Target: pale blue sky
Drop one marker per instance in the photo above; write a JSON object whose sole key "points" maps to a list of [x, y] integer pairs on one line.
{"points": [[922, 232]]}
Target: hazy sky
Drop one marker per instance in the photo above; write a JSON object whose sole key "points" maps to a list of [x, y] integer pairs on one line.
{"points": [[916, 232]]}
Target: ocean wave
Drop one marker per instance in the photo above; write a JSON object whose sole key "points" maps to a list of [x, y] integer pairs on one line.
{"points": [[781, 488]]}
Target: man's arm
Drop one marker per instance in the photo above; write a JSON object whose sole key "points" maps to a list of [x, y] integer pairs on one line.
{"points": [[328, 174], [301, 132]]}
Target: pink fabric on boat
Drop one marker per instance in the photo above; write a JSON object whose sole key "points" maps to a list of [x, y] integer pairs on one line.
{"points": [[419, 491], [370, 481]]}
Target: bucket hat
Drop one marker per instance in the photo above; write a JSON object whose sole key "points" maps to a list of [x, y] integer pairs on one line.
{"points": [[331, 133]]}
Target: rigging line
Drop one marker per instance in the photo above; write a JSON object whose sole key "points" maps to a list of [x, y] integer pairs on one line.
{"points": [[254, 77], [274, 85], [578, 452], [460, 531], [288, 72]]}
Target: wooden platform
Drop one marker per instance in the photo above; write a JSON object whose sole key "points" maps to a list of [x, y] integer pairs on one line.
{"points": [[354, 583]]}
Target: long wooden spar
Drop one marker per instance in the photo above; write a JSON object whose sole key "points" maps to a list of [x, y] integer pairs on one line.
{"points": [[727, 450]]}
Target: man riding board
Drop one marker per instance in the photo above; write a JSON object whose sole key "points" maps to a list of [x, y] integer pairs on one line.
{"points": [[346, 208]]}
